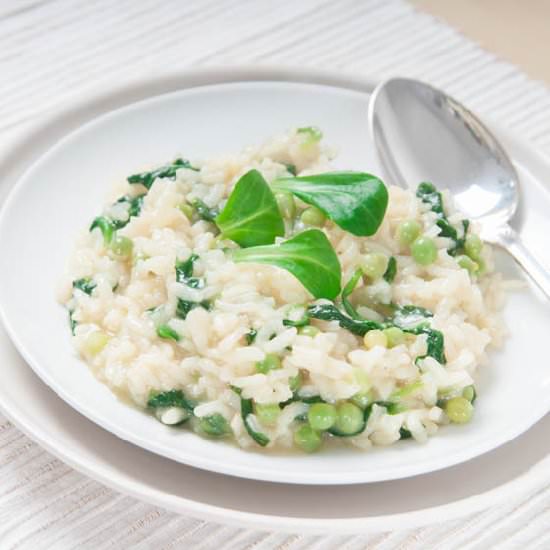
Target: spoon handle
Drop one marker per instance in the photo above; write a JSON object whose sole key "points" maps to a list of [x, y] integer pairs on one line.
{"points": [[508, 239]]}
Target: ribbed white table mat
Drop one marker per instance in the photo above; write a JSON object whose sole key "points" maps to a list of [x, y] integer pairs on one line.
{"points": [[54, 51]]}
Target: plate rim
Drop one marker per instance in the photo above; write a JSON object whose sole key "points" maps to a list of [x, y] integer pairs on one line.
{"points": [[192, 78]]}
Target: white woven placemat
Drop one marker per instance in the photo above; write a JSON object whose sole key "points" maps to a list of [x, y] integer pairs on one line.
{"points": [[52, 51]]}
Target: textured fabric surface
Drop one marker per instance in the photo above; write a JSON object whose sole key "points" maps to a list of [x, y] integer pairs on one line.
{"points": [[52, 51]]}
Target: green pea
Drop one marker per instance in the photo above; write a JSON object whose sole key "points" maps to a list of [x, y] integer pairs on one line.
{"points": [[362, 379], [481, 267], [394, 336], [459, 410], [364, 396], [268, 414], [215, 425], [321, 416], [374, 265], [309, 330], [469, 393], [349, 419], [465, 262], [407, 232], [95, 342], [187, 210], [307, 438], [312, 134], [271, 362], [295, 382], [424, 251], [375, 338], [121, 247], [286, 204], [313, 216], [362, 400], [473, 246]]}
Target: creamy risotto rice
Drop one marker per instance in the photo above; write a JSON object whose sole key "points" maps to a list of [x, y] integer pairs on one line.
{"points": [[167, 316]]}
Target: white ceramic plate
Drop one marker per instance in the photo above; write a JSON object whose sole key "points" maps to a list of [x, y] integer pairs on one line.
{"points": [[66, 187], [517, 468]]}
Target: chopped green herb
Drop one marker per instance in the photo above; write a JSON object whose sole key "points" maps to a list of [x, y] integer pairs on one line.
{"points": [[304, 321], [404, 433], [184, 269], [185, 306], [391, 270], [297, 317], [251, 216], [406, 317], [435, 344], [171, 398], [428, 193], [168, 333], [346, 292], [290, 168], [329, 312], [309, 256], [169, 171], [247, 409], [184, 272], [72, 322], [106, 226], [204, 212], [134, 209], [85, 284], [251, 336]]}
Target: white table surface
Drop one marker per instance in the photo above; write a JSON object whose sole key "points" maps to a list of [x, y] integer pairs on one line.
{"points": [[54, 51]]}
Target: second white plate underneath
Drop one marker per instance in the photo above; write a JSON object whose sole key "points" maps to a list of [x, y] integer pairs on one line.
{"points": [[66, 187]]}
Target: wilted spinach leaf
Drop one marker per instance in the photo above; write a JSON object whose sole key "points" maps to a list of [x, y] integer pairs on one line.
{"points": [[204, 212], [185, 306], [106, 226], [184, 272], [329, 312], [346, 292], [134, 209], [247, 409], [85, 284], [251, 336], [172, 398], [391, 270], [169, 171], [428, 193]]}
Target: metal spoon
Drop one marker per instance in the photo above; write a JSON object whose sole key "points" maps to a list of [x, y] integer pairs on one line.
{"points": [[422, 134]]}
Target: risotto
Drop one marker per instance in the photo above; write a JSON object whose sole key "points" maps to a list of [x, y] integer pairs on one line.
{"points": [[266, 298]]}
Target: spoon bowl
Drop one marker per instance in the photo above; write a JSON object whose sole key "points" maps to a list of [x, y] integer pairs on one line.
{"points": [[422, 134]]}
